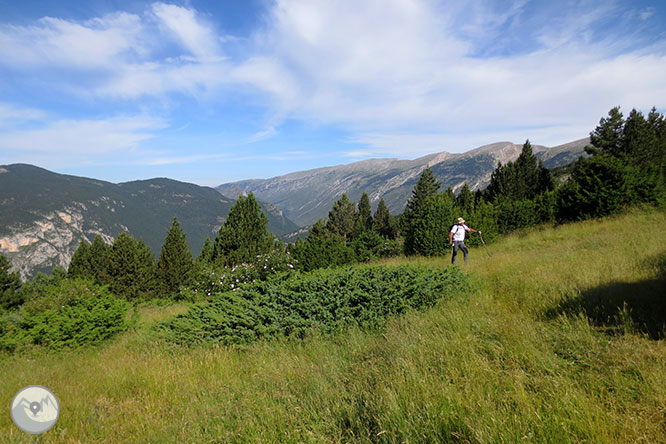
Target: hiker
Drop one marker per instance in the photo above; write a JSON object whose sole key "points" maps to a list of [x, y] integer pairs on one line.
{"points": [[457, 238]]}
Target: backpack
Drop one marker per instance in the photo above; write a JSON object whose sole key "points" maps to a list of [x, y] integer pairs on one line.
{"points": [[459, 227]]}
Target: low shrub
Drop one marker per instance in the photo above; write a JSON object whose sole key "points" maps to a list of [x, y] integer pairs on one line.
{"points": [[70, 313], [326, 300], [211, 279]]}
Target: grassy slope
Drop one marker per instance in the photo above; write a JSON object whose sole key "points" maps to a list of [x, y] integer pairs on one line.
{"points": [[514, 361]]}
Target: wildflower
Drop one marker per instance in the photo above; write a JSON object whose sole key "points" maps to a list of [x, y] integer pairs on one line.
{"points": [[290, 266]]}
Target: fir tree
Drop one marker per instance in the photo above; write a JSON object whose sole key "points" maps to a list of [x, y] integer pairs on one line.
{"points": [[429, 233], [523, 179], [244, 234], [608, 135], [321, 249], [383, 222], [417, 207], [342, 219], [206, 255], [175, 264], [79, 266], [364, 214], [464, 201], [99, 260], [9, 284], [131, 268]]}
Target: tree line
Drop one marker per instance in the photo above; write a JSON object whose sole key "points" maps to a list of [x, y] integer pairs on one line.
{"points": [[624, 165]]}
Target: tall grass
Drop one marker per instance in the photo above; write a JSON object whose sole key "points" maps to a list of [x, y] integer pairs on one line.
{"points": [[535, 353]]}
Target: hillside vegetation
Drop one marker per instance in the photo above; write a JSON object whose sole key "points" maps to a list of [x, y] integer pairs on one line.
{"points": [[560, 339]]}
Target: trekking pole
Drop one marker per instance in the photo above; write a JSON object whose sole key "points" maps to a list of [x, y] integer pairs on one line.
{"points": [[484, 244]]}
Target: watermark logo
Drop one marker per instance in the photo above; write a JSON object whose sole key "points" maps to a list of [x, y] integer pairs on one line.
{"points": [[35, 409]]}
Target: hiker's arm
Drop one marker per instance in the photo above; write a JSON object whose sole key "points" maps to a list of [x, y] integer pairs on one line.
{"points": [[450, 238], [472, 230]]}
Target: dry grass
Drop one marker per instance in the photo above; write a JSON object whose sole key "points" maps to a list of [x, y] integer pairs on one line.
{"points": [[524, 357]]}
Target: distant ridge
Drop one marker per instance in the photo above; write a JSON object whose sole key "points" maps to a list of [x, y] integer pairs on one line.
{"points": [[306, 196]]}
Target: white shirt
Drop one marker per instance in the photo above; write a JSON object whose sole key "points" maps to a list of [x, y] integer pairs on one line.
{"points": [[458, 231]]}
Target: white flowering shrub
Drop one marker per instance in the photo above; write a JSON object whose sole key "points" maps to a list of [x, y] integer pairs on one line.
{"points": [[213, 279]]}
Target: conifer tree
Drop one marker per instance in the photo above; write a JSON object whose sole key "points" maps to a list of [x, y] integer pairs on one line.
{"points": [[523, 179], [79, 265], [383, 222], [206, 255], [244, 234], [175, 264], [608, 135], [418, 207], [426, 187], [342, 219], [449, 195], [321, 249], [99, 260], [364, 214], [131, 268], [428, 234], [9, 284], [465, 201]]}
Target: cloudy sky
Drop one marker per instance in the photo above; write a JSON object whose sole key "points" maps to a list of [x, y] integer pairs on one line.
{"points": [[217, 91]]}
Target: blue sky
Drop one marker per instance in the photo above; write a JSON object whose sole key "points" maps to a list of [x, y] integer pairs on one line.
{"points": [[217, 91]]}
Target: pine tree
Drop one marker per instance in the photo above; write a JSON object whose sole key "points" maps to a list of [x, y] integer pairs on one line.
{"points": [[364, 214], [429, 233], [417, 207], [383, 222], [321, 249], [99, 260], [523, 179], [426, 187], [464, 201], [244, 234], [80, 266], [175, 264], [342, 219], [449, 195], [206, 255], [131, 268], [9, 284], [608, 135]]}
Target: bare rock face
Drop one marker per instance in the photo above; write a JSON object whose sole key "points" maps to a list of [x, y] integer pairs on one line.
{"points": [[49, 241]]}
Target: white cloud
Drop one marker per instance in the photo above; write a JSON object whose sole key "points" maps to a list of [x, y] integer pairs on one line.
{"points": [[94, 44], [13, 115], [403, 77], [396, 67], [81, 138], [197, 37]]}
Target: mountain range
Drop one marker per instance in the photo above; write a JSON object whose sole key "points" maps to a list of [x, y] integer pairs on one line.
{"points": [[307, 196], [44, 215]]}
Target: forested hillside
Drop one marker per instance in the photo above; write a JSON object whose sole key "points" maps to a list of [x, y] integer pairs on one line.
{"points": [[44, 215]]}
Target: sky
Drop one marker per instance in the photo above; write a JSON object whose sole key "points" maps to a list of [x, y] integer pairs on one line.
{"points": [[211, 92]]}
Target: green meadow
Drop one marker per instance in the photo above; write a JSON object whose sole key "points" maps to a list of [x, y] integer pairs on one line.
{"points": [[559, 339]]}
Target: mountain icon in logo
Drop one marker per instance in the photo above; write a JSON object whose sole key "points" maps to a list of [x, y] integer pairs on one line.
{"points": [[35, 409]]}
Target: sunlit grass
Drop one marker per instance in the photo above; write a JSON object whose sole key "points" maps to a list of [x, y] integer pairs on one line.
{"points": [[515, 360]]}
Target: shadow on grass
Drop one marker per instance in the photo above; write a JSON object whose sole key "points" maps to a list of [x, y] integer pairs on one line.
{"points": [[623, 307]]}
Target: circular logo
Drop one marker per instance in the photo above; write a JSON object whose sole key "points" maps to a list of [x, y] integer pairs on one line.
{"points": [[35, 409]]}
